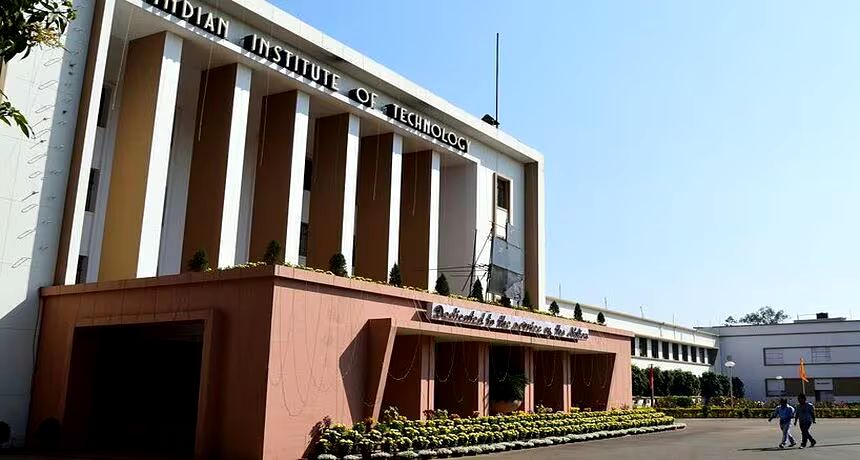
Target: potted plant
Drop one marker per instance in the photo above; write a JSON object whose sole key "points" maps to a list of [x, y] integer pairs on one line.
{"points": [[507, 393]]}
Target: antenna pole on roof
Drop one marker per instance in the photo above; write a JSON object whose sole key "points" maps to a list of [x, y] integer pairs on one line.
{"points": [[497, 78]]}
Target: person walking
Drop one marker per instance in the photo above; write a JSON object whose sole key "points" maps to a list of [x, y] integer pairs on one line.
{"points": [[784, 412], [805, 414]]}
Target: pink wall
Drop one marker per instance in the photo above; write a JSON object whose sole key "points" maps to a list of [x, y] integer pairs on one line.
{"points": [[286, 347]]}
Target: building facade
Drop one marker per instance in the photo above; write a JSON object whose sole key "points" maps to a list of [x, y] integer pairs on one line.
{"points": [[655, 343], [768, 358], [167, 131]]}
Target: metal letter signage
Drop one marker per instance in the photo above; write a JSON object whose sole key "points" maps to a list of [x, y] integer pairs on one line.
{"points": [[506, 323], [184, 10]]}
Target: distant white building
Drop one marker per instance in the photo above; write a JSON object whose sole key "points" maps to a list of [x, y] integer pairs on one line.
{"points": [[659, 344], [768, 357]]}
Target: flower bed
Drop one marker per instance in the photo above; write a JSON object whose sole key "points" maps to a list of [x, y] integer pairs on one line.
{"points": [[444, 436], [753, 412]]}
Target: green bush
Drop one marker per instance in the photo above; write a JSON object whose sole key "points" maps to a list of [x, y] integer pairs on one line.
{"points": [[199, 262], [477, 291], [442, 287], [272, 255], [397, 435], [337, 264], [394, 277]]}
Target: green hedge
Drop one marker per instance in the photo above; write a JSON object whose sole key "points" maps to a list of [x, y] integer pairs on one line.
{"points": [[753, 412], [395, 434]]}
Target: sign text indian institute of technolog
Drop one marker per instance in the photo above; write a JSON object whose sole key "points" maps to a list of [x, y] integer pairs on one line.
{"points": [[310, 70]]}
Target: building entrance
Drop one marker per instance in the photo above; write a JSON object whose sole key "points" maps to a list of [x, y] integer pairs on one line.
{"points": [[134, 389]]}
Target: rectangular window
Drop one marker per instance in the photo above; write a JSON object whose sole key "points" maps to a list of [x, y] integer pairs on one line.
{"points": [[694, 354], [643, 347], [712, 356], [821, 355], [81, 274], [654, 348], [633, 346], [773, 356], [665, 350], [303, 240], [104, 107], [309, 173], [701, 355], [675, 355], [774, 387], [685, 352], [503, 193], [92, 190]]}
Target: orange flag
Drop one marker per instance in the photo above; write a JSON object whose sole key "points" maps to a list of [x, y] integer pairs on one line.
{"points": [[803, 375]]}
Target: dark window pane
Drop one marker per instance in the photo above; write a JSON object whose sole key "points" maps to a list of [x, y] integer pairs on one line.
{"points": [[92, 190], [303, 240], [665, 350], [81, 275], [309, 171], [654, 348], [503, 193]]}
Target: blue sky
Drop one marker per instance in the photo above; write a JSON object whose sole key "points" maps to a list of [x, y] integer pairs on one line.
{"points": [[702, 157]]}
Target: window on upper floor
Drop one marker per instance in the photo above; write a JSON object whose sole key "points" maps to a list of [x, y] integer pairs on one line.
{"points": [[701, 355], [633, 346], [81, 274], [309, 171], [665, 347], [643, 347], [675, 354], [655, 348], [685, 352], [502, 215], [303, 240], [104, 107], [92, 190]]}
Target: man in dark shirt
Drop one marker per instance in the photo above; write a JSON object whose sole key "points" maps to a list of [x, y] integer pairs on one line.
{"points": [[805, 414]]}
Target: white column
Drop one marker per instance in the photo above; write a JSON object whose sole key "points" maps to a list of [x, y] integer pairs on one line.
{"points": [[159, 157], [394, 202], [235, 166], [349, 190], [433, 243], [297, 178], [104, 20]]}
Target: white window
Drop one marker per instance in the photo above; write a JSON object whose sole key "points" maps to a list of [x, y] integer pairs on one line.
{"points": [[775, 387], [503, 206]]}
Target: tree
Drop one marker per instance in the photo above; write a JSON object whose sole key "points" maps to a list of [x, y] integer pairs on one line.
{"points": [[442, 287], [600, 318], [272, 255], [738, 387], [724, 385], [337, 264], [764, 315], [684, 383], [394, 277], [710, 386], [640, 382], [553, 308], [24, 25], [506, 301], [477, 291], [199, 262], [577, 312], [662, 382], [527, 300]]}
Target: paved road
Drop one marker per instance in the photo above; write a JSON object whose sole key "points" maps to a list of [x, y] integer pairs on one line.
{"points": [[715, 439], [707, 439]]}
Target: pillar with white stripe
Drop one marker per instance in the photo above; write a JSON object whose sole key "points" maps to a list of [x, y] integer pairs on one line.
{"points": [[278, 185], [215, 185], [419, 219], [331, 226], [135, 208], [377, 223]]}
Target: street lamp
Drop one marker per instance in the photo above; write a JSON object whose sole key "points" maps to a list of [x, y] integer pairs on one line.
{"points": [[730, 365]]}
